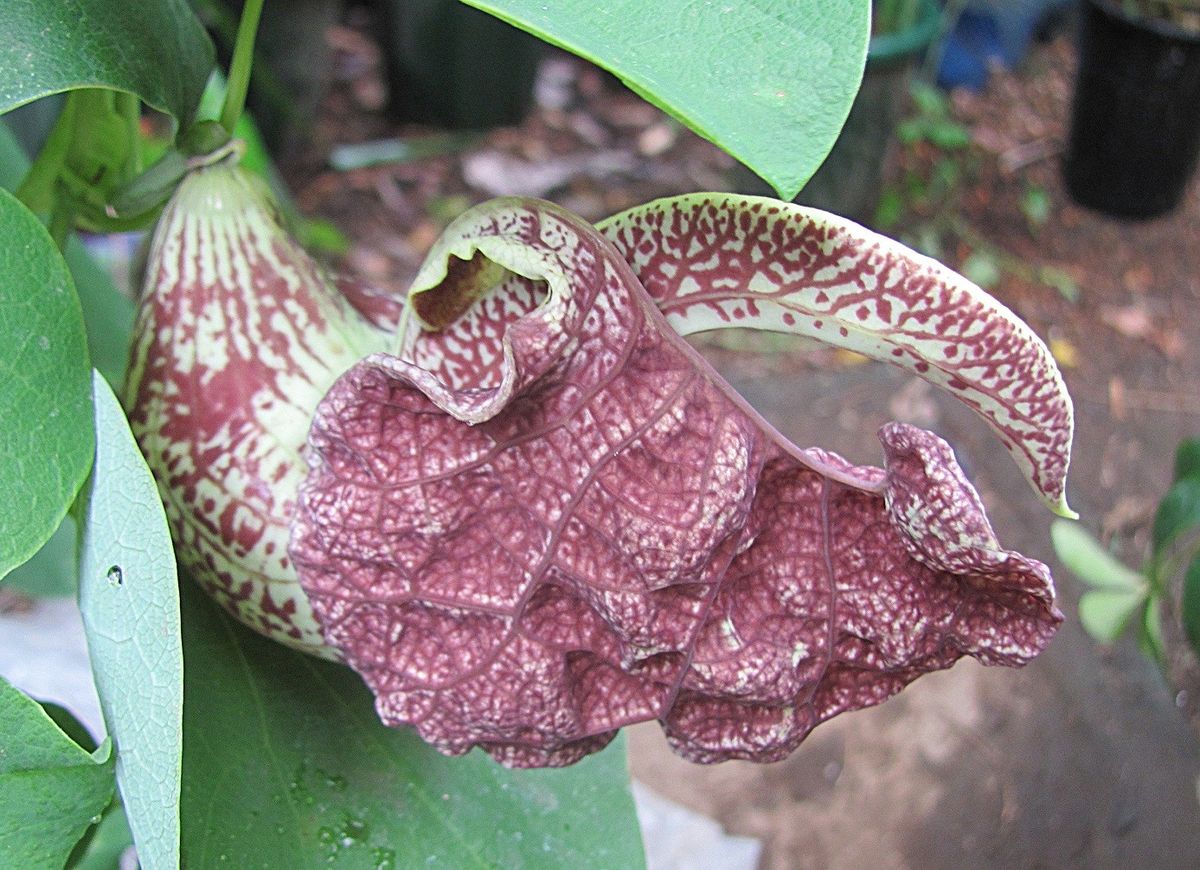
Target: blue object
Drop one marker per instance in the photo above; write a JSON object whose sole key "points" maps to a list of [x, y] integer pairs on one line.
{"points": [[989, 32]]}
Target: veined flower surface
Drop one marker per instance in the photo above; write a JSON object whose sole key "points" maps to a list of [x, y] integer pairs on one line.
{"points": [[534, 514]]}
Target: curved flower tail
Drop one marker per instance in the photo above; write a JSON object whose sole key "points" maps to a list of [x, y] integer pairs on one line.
{"points": [[713, 260]]}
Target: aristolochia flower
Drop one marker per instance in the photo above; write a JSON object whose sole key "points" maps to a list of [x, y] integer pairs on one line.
{"points": [[528, 513]]}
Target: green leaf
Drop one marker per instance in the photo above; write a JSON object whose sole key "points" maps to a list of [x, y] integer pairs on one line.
{"points": [[286, 765], [1061, 281], [93, 151], [1187, 459], [70, 725], [14, 163], [1090, 562], [1037, 206], [129, 598], [1105, 613], [1190, 611], [51, 790], [51, 573], [107, 313], [1177, 513], [983, 268], [769, 82], [1150, 638], [45, 392], [109, 840], [155, 49]]}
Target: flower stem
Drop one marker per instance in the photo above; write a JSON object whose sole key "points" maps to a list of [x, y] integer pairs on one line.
{"points": [[239, 66]]}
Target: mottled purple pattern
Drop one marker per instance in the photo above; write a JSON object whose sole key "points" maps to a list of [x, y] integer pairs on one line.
{"points": [[617, 538], [710, 260]]}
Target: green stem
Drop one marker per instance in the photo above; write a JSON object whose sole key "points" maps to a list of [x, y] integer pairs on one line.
{"points": [[129, 107], [62, 219], [239, 67]]}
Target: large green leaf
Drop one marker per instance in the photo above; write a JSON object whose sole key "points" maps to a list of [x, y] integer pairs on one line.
{"points": [[107, 313], [51, 790], [155, 49], [286, 765], [129, 598], [770, 81], [45, 387]]}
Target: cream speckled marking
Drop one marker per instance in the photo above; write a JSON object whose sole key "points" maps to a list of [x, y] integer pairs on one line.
{"points": [[791, 269]]}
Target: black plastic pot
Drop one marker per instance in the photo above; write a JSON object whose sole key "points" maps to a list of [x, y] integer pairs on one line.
{"points": [[452, 65], [1135, 120]]}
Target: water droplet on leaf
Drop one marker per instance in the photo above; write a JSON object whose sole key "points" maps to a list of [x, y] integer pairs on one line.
{"points": [[115, 576]]}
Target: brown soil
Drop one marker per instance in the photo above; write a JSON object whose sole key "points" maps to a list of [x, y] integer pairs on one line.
{"points": [[1082, 759]]}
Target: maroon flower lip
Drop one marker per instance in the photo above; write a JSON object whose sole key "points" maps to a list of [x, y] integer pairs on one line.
{"points": [[542, 515], [547, 517]]}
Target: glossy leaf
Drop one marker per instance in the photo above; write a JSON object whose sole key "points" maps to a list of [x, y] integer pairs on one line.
{"points": [[711, 261], [1178, 514], [1090, 562], [771, 83], [51, 790], [46, 438], [287, 765], [1190, 610], [129, 599], [156, 50], [1105, 613], [549, 518], [107, 313]]}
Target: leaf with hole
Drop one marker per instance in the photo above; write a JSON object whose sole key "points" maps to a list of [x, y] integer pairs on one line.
{"points": [[130, 604]]}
